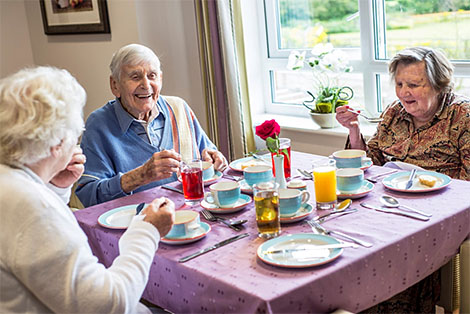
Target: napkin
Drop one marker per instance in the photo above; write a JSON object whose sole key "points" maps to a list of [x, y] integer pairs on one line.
{"points": [[401, 165]]}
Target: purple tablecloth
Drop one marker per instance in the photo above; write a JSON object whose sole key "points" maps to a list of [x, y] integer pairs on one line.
{"points": [[233, 279]]}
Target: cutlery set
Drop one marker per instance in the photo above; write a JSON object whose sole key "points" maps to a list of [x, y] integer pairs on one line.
{"points": [[374, 178], [394, 211], [321, 229]]}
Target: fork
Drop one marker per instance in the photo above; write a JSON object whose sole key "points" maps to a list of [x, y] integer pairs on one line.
{"points": [[306, 174], [320, 228], [372, 120], [210, 217], [374, 178], [235, 178]]}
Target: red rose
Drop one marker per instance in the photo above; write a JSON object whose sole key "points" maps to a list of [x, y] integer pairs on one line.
{"points": [[269, 128]]}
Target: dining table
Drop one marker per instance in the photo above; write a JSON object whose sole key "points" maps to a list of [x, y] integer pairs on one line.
{"points": [[233, 279]]}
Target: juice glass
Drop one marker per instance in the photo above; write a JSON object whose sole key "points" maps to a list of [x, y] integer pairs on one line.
{"points": [[284, 145], [324, 175], [193, 183], [266, 197]]}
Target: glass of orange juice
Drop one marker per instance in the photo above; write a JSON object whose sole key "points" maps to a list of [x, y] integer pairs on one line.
{"points": [[324, 175]]}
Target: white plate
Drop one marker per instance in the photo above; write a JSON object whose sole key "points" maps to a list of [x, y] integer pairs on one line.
{"points": [[365, 189], [118, 218], [302, 213], [241, 203], [203, 230], [367, 165], [397, 181], [237, 164], [244, 187], [302, 258], [217, 176]]}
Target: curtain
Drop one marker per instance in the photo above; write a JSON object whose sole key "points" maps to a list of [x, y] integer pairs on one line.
{"points": [[222, 59]]}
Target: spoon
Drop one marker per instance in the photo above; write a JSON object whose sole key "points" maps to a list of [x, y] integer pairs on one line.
{"points": [[340, 207], [390, 201], [237, 223]]}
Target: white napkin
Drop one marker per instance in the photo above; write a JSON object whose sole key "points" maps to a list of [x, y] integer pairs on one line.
{"points": [[402, 165]]}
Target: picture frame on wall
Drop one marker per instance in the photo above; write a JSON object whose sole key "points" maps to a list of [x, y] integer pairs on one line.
{"points": [[62, 17]]}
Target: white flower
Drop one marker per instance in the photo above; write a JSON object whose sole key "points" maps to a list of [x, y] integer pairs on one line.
{"points": [[296, 60], [322, 49]]}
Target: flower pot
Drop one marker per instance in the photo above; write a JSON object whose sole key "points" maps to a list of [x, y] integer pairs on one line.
{"points": [[324, 120]]}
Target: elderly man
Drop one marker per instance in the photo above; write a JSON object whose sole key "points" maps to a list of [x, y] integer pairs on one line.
{"points": [[136, 141]]}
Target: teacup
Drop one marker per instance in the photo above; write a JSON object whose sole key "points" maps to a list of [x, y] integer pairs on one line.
{"points": [[350, 158], [297, 184], [349, 180], [186, 224], [258, 174], [290, 201], [223, 194], [207, 170]]}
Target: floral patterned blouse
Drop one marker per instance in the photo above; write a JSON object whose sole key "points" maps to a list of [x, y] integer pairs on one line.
{"points": [[441, 145]]}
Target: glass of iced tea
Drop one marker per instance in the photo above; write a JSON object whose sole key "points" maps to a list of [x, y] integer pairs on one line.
{"points": [[324, 177], [193, 183], [267, 209]]}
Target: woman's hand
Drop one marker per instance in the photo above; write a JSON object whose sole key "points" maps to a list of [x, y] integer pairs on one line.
{"points": [[72, 172], [346, 118], [161, 214]]}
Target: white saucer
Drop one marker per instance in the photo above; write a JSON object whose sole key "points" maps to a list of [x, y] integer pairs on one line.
{"points": [[244, 187], [217, 175], [367, 165], [203, 230], [365, 189], [118, 218], [302, 213], [241, 203]]}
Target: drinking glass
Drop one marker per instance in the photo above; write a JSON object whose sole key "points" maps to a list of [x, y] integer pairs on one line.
{"points": [[324, 175], [193, 183], [284, 145], [266, 195]]}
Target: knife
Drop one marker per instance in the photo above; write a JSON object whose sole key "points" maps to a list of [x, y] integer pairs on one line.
{"points": [[167, 187], [409, 184], [392, 211], [213, 247], [322, 219], [313, 248]]}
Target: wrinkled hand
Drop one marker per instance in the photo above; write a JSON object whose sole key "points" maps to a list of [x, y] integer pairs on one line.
{"points": [[161, 214], [72, 172], [346, 118], [161, 165], [215, 157]]}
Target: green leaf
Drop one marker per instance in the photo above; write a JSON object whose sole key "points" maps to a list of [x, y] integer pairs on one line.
{"points": [[273, 144]]}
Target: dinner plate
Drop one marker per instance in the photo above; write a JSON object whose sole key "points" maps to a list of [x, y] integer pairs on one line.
{"points": [[241, 203], [237, 164], [118, 218], [302, 213], [301, 258], [201, 233], [365, 189], [217, 175], [397, 182]]}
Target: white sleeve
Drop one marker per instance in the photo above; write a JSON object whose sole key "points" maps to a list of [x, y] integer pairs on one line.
{"points": [[63, 193]]}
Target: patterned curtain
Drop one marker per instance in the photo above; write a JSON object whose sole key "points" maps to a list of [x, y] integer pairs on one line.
{"points": [[222, 60]]}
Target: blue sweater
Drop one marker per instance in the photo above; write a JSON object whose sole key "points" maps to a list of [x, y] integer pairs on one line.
{"points": [[113, 148]]}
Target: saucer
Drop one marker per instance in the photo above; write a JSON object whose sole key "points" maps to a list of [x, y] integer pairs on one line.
{"points": [[244, 187], [363, 190], [118, 218], [217, 175], [367, 165], [241, 203], [202, 231], [302, 213]]}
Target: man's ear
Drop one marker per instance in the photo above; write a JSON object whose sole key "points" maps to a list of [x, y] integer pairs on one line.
{"points": [[114, 87]]}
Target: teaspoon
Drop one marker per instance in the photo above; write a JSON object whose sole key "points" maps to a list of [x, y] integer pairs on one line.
{"points": [[237, 223], [390, 201]]}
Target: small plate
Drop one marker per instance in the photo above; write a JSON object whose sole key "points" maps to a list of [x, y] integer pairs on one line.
{"points": [[368, 164], [118, 218], [241, 203], [397, 181], [244, 187], [203, 230], [302, 258], [217, 176], [237, 164], [365, 189], [302, 213]]}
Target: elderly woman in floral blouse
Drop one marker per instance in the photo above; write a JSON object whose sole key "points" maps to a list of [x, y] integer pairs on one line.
{"points": [[428, 126]]}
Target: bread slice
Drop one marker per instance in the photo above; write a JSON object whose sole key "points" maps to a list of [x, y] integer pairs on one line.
{"points": [[427, 180]]}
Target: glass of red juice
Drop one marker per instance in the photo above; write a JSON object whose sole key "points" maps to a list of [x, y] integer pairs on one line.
{"points": [[284, 150], [193, 184]]}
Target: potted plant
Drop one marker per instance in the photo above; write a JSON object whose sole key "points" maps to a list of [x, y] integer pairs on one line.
{"points": [[326, 64]]}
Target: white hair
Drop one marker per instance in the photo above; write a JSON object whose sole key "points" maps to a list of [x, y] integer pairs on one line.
{"points": [[39, 108], [133, 54]]}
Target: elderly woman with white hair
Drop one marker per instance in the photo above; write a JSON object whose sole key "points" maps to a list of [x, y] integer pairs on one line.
{"points": [[46, 264]]}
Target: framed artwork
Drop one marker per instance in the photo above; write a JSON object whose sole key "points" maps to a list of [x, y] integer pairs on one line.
{"points": [[74, 16]]}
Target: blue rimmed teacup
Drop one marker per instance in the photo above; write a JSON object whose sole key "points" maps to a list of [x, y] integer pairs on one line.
{"points": [[349, 180], [258, 174], [350, 158], [223, 194], [290, 201], [186, 225]]}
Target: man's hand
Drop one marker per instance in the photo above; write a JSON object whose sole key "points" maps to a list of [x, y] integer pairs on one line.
{"points": [[72, 172], [215, 157], [160, 166], [161, 214]]}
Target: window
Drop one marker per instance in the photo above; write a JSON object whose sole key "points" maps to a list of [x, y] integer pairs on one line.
{"points": [[369, 32]]}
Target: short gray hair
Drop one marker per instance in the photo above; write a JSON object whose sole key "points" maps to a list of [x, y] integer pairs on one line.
{"points": [[39, 108], [439, 70], [132, 54]]}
